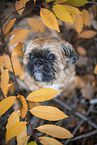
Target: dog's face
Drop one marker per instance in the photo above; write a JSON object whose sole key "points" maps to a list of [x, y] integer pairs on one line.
{"points": [[44, 59]]}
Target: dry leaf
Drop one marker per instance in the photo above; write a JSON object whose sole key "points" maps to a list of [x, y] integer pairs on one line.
{"points": [[4, 82], [1, 59], [49, 19], [19, 5], [81, 50], [72, 10], [76, 2], [7, 62], [36, 25], [15, 130], [10, 25], [14, 31], [6, 103], [20, 36], [17, 51], [17, 67], [85, 17], [25, 1], [13, 119], [95, 70], [49, 141], [41, 95], [55, 131], [78, 82], [87, 34], [62, 13], [23, 109], [48, 113], [78, 23]]}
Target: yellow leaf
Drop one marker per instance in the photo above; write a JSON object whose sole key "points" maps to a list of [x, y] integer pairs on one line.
{"points": [[23, 109], [62, 13], [78, 23], [7, 62], [20, 36], [95, 70], [4, 82], [6, 103], [49, 19], [55, 131], [36, 25], [76, 2], [41, 95], [17, 51], [81, 50], [47, 1], [87, 34], [19, 5], [10, 25], [1, 59], [85, 17], [72, 10], [15, 130], [49, 141], [25, 1], [13, 119], [17, 66], [48, 112], [60, 1], [22, 138], [32, 143]]}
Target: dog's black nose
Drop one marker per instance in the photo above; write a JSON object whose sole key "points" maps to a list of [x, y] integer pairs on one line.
{"points": [[38, 62]]}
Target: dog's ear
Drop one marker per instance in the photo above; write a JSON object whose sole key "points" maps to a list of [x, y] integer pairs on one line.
{"points": [[68, 51]]}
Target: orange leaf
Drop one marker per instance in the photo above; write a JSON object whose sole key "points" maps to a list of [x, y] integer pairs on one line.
{"points": [[87, 34], [81, 50], [41, 95], [17, 51], [20, 36], [78, 82], [15, 130], [48, 140], [10, 25], [85, 17], [49, 19], [95, 70], [1, 59], [78, 23], [36, 25], [13, 119], [4, 82], [15, 31], [48, 113], [55, 131], [23, 109], [25, 1], [6, 103], [19, 5]]}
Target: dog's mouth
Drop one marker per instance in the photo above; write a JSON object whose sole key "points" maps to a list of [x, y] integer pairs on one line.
{"points": [[41, 76]]}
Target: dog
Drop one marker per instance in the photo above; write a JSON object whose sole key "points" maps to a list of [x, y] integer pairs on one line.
{"points": [[48, 61]]}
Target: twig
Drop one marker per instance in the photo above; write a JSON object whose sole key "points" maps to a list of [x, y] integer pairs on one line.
{"points": [[76, 113], [84, 135]]}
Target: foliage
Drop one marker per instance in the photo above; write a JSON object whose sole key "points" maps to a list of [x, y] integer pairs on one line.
{"points": [[65, 11]]}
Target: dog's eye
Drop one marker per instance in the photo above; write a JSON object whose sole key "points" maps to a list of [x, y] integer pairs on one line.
{"points": [[31, 55], [50, 57]]}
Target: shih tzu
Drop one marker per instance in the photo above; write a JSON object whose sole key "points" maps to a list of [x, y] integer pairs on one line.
{"points": [[48, 61]]}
